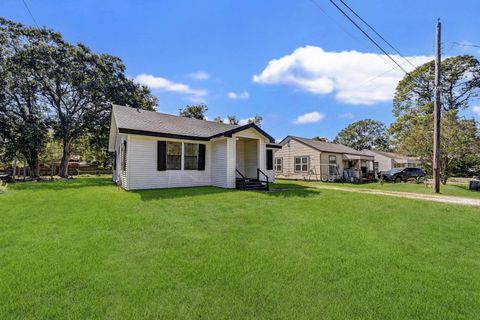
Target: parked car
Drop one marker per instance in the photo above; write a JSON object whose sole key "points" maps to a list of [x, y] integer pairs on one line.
{"points": [[403, 174], [5, 177]]}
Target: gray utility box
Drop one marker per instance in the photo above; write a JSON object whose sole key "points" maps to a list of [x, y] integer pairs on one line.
{"points": [[474, 185]]}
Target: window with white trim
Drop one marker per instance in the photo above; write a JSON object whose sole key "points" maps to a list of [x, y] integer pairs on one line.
{"points": [[174, 155], [278, 164], [301, 164], [332, 165]]}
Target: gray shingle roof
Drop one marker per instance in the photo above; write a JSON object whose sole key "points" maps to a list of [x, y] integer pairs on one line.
{"points": [[326, 146], [151, 121]]}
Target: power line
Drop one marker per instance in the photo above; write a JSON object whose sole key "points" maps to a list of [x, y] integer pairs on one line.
{"points": [[367, 35], [375, 43], [344, 30], [466, 44], [333, 20], [30, 12], [377, 33]]}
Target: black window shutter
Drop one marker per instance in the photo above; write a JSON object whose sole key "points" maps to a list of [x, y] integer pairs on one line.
{"points": [[269, 159], [115, 160], [201, 157], [161, 155]]}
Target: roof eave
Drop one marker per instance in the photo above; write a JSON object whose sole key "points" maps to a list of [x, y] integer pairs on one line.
{"points": [[161, 134]]}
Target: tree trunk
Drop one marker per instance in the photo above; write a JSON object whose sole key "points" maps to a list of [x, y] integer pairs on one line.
{"points": [[34, 165], [65, 159]]}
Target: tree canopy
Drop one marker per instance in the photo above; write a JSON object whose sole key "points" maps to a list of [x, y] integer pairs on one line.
{"points": [[412, 130], [364, 134], [47, 82], [318, 138], [232, 120], [194, 111], [256, 120]]}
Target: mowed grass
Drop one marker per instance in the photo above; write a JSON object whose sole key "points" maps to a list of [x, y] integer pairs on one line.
{"points": [[457, 190], [84, 249]]}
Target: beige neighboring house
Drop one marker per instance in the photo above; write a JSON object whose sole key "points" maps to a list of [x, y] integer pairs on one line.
{"points": [[302, 158], [385, 161]]}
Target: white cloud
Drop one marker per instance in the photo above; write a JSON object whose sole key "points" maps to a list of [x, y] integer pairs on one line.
{"points": [[166, 85], [346, 115], [237, 96], [354, 77], [309, 117], [199, 75], [476, 109]]}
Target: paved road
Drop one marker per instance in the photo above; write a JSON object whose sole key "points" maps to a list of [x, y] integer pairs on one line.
{"points": [[409, 195]]}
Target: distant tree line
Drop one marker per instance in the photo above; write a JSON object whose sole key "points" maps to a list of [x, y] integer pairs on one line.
{"points": [[56, 93]]}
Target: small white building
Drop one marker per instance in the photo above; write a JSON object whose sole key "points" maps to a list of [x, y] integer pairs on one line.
{"points": [[385, 161], [157, 150]]}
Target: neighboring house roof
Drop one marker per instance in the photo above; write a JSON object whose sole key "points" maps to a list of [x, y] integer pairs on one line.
{"points": [[325, 146], [151, 123], [392, 155]]}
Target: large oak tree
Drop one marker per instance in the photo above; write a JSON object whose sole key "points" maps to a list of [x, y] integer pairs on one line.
{"points": [[364, 134], [412, 130], [74, 87]]}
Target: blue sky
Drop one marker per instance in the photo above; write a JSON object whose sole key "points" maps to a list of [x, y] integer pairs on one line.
{"points": [[305, 72]]}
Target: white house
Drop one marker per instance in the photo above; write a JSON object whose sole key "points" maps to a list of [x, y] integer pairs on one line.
{"points": [[385, 161], [157, 150]]}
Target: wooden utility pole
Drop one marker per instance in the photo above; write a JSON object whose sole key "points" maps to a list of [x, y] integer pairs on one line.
{"points": [[437, 112]]}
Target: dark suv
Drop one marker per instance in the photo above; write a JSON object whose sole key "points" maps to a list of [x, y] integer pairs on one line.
{"points": [[404, 174]]}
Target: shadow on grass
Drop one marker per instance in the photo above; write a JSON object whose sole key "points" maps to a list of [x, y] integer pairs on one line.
{"points": [[291, 190], [283, 190], [158, 194]]}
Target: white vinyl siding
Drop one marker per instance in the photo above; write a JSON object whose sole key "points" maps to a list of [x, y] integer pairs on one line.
{"points": [[251, 162], [254, 153], [220, 162], [219, 158], [240, 156], [142, 167]]}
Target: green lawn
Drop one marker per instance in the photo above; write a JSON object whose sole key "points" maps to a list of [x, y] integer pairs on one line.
{"points": [[83, 249], [459, 190]]}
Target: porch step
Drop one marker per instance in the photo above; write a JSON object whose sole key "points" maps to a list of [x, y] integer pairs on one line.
{"points": [[251, 184]]}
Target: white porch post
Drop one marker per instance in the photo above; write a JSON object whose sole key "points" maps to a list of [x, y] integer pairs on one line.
{"points": [[261, 155], [231, 161]]}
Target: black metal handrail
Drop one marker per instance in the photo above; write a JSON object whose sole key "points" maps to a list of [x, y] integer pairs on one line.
{"points": [[243, 177], [263, 173]]}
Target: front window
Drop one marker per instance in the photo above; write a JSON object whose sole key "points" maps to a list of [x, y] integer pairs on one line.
{"points": [[174, 155], [332, 161], [191, 156], [301, 164], [278, 164]]}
